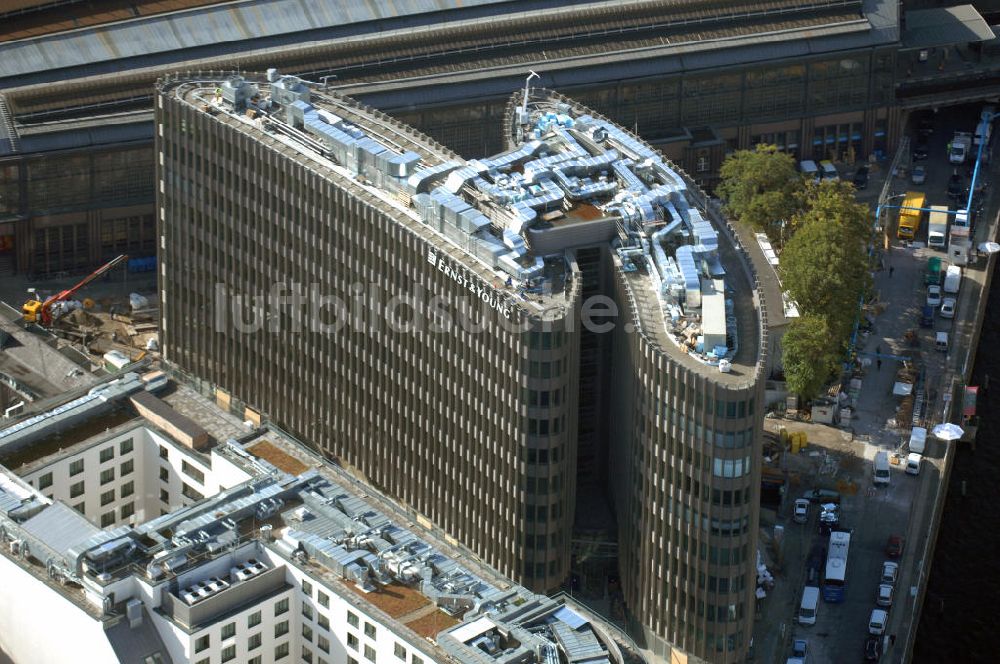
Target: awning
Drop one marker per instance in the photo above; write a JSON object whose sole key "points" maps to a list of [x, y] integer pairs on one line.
{"points": [[926, 28]]}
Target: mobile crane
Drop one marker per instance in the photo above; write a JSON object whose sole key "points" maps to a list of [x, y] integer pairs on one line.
{"points": [[41, 312]]}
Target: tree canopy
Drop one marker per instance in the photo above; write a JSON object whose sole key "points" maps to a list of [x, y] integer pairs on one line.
{"points": [[761, 187], [811, 355]]}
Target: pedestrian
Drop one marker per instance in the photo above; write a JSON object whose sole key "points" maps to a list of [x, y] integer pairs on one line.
{"points": [[891, 270], [892, 639], [878, 349], [878, 364]]}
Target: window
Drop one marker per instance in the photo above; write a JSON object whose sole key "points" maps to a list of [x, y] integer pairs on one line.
{"points": [[229, 653], [127, 489], [253, 619], [79, 507], [281, 607], [369, 630], [307, 655], [323, 643], [44, 481], [352, 641], [370, 653], [163, 452], [255, 660], [352, 619], [281, 629], [76, 490], [107, 476], [228, 631], [127, 510], [399, 651], [107, 497], [192, 472], [307, 632], [281, 650], [207, 660], [164, 474], [76, 467], [323, 599], [254, 641], [164, 496], [323, 621], [307, 588], [125, 446], [418, 660], [307, 611], [202, 642], [126, 468], [191, 493], [107, 454]]}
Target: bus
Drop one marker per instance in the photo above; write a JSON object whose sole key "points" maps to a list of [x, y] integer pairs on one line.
{"points": [[835, 577]]}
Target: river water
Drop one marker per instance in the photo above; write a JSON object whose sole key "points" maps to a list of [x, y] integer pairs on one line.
{"points": [[961, 616]]}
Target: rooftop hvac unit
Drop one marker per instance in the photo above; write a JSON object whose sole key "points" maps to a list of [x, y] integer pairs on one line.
{"points": [[725, 366]]}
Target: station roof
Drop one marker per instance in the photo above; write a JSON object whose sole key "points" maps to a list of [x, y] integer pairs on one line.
{"points": [[926, 28]]}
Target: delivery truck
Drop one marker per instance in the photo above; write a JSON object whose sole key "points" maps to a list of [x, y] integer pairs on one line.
{"points": [[937, 227]]}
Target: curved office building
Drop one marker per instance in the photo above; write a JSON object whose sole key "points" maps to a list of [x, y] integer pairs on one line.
{"points": [[484, 339]]}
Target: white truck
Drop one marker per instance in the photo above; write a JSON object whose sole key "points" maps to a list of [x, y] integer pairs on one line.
{"points": [[958, 149], [959, 242], [937, 227]]}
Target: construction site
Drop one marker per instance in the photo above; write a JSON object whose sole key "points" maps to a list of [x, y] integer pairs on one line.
{"points": [[97, 323]]}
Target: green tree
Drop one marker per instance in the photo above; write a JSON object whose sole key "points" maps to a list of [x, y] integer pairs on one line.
{"points": [[810, 355], [824, 267], [761, 187]]}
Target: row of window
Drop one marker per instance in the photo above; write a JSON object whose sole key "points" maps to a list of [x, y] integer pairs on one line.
{"points": [[546, 427], [542, 398], [546, 340]]}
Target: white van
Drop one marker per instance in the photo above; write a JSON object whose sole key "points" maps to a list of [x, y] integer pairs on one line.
{"points": [[918, 439], [913, 463], [809, 170], [941, 341], [880, 469], [809, 605], [952, 279]]}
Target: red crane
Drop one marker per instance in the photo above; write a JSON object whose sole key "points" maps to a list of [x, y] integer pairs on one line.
{"points": [[40, 312]]}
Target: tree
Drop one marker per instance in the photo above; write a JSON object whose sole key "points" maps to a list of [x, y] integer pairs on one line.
{"points": [[761, 187], [824, 267], [810, 355]]}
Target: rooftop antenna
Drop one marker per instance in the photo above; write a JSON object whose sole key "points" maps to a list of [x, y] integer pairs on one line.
{"points": [[527, 82]]}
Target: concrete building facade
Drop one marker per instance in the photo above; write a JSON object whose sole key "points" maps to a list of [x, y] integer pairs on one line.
{"points": [[269, 189]]}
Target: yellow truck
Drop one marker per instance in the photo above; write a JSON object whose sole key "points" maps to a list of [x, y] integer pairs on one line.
{"points": [[909, 219]]}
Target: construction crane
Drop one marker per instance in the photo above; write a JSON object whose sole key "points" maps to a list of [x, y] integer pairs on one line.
{"points": [[41, 312]]}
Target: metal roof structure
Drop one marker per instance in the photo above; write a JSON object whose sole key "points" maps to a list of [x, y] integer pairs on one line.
{"points": [[61, 528], [941, 26]]}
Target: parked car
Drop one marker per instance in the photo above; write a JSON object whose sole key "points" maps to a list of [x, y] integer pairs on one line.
{"points": [[829, 517], [799, 649], [920, 150], [927, 316], [861, 178], [934, 295], [815, 564], [956, 186], [883, 597], [873, 648], [877, 621], [894, 546], [918, 175], [801, 513], [948, 307], [890, 572], [822, 496]]}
